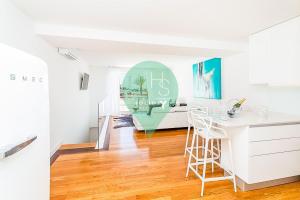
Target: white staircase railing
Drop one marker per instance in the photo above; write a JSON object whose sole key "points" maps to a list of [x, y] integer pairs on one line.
{"points": [[103, 123]]}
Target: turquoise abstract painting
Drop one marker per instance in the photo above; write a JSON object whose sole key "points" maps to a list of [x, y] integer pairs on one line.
{"points": [[207, 79]]}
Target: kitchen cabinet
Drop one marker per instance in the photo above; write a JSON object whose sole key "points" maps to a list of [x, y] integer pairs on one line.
{"points": [[274, 55], [266, 150], [259, 57]]}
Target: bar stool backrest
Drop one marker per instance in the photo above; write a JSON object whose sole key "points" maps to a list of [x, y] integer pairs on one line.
{"points": [[197, 109], [201, 123]]}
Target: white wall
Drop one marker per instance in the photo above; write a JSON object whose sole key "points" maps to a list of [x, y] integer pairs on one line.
{"points": [[99, 85], [97, 90], [182, 69], [236, 84], [235, 81], [69, 116]]}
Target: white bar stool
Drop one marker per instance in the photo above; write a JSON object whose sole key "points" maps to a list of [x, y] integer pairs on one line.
{"points": [[201, 110], [203, 128]]}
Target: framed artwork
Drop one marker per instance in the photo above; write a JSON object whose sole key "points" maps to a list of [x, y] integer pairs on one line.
{"points": [[207, 79]]}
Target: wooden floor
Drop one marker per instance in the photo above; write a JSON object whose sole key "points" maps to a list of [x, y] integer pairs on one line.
{"points": [[77, 146], [144, 167]]}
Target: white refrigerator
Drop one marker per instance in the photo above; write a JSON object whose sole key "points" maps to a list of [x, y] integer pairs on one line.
{"points": [[24, 126]]}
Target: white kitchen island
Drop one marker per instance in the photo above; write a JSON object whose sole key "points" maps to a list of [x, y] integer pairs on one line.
{"points": [[266, 150]]}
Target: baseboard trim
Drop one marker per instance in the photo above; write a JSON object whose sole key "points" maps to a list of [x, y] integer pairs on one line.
{"points": [[247, 187], [163, 129], [54, 157], [71, 151]]}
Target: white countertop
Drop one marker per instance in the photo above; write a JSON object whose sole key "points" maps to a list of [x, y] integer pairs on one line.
{"points": [[253, 119]]}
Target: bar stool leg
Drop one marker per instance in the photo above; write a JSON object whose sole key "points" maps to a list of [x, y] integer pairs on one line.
{"points": [[212, 155], [187, 139], [204, 166], [197, 152], [231, 163], [219, 150], [190, 156], [203, 141]]}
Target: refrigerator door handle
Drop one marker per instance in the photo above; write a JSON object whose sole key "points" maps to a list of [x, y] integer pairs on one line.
{"points": [[11, 150]]}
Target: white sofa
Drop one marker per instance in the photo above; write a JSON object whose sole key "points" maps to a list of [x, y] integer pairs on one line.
{"points": [[175, 118]]}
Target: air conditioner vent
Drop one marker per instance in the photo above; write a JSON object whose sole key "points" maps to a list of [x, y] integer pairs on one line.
{"points": [[67, 53]]}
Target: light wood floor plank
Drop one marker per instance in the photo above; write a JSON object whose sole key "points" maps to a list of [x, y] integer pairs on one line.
{"points": [[144, 167]]}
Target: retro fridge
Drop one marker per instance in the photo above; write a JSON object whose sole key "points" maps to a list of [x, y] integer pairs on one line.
{"points": [[24, 126]]}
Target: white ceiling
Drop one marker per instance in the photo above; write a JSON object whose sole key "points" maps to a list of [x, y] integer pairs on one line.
{"points": [[107, 47], [116, 32], [212, 19], [129, 59]]}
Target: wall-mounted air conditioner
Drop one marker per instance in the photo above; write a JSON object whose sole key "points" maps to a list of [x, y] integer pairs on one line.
{"points": [[67, 53]]}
